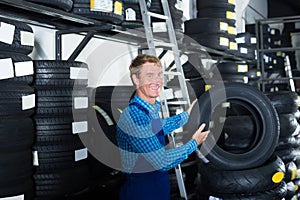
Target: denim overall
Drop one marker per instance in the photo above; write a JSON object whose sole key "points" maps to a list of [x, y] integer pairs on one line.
{"points": [[152, 185]]}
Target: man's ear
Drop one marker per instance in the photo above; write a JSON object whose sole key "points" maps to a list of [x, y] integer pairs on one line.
{"points": [[135, 80]]}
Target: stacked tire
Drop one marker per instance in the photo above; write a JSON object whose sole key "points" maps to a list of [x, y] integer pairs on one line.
{"points": [[175, 10], [286, 104], [247, 46], [242, 72], [106, 104], [111, 11], [65, 5], [17, 107], [214, 26], [60, 158], [241, 144], [132, 14]]}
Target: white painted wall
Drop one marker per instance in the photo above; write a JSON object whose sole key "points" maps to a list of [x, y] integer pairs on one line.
{"points": [[108, 61]]}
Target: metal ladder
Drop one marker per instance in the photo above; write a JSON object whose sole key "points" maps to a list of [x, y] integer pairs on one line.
{"points": [[172, 44]]}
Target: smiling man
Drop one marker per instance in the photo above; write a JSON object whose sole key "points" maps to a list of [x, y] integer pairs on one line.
{"points": [[141, 135]]}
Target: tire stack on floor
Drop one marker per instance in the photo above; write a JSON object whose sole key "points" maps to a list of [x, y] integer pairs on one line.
{"points": [[111, 11], [106, 104], [240, 147], [17, 107], [214, 26], [60, 157], [286, 104]]}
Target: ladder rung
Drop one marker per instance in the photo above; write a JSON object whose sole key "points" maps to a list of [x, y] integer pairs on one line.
{"points": [[173, 73], [165, 44], [159, 16], [177, 102]]}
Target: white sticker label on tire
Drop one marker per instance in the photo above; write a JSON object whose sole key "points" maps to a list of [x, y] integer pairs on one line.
{"points": [[80, 102], [78, 73], [242, 68], [35, 158], [81, 154], [7, 32], [19, 197], [28, 101], [6, 68], [24, 68], [130, 14], [101, 5], [27, 38], [79, 127]]}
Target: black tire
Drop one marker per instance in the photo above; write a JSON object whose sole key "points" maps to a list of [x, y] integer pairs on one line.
{"points": [[17, 59], [115, 16], [232, 67], [205, 25], [61, 4], [60, 73], [24, 187], [289, 125], [16, 100], [275, 194], [252, 101], [215, 4], [253, 180], [60, 101], [223, 13], [287, 142], [17, 44], [16, 133], [215, 41], [285, 102], [61, 183], [246, 38]]}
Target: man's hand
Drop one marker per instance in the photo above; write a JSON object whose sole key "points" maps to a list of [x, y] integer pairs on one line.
{"points": [[200, 136], [191, 106]]}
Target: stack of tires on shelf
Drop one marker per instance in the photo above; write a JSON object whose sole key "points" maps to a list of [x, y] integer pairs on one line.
{"points": [[43, 111], [110, 11], [17, 107], [214, 26], [60, 157]]}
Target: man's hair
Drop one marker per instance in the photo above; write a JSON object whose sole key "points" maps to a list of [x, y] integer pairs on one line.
{"points": [[138, 61]]}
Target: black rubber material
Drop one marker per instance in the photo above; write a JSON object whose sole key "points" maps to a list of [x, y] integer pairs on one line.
{"points": [[82, 7], [205, 25], [11, 103], [17, 46], [252, 101], [61, 4], [252, 180], [57, 73], [216, 41], [17, 57], [285, 102]]}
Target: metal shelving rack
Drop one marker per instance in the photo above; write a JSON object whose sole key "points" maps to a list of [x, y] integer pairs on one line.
{"points": [[261, 51], [69, 23]]}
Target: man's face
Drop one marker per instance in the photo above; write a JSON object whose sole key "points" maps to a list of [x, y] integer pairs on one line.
{"points": [[149, 82]]}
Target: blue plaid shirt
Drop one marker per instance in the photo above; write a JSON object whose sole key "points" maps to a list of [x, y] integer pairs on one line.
{"points": [[135, 137]]}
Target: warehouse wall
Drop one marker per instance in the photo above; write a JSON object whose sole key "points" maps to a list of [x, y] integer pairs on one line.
{"points": [[108, 61]]}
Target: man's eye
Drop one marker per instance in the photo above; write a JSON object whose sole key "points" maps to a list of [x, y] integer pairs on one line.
{"points": [[149, 76]]}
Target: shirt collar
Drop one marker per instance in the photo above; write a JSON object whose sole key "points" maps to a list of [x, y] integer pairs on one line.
{"points": [[150, 107]]}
